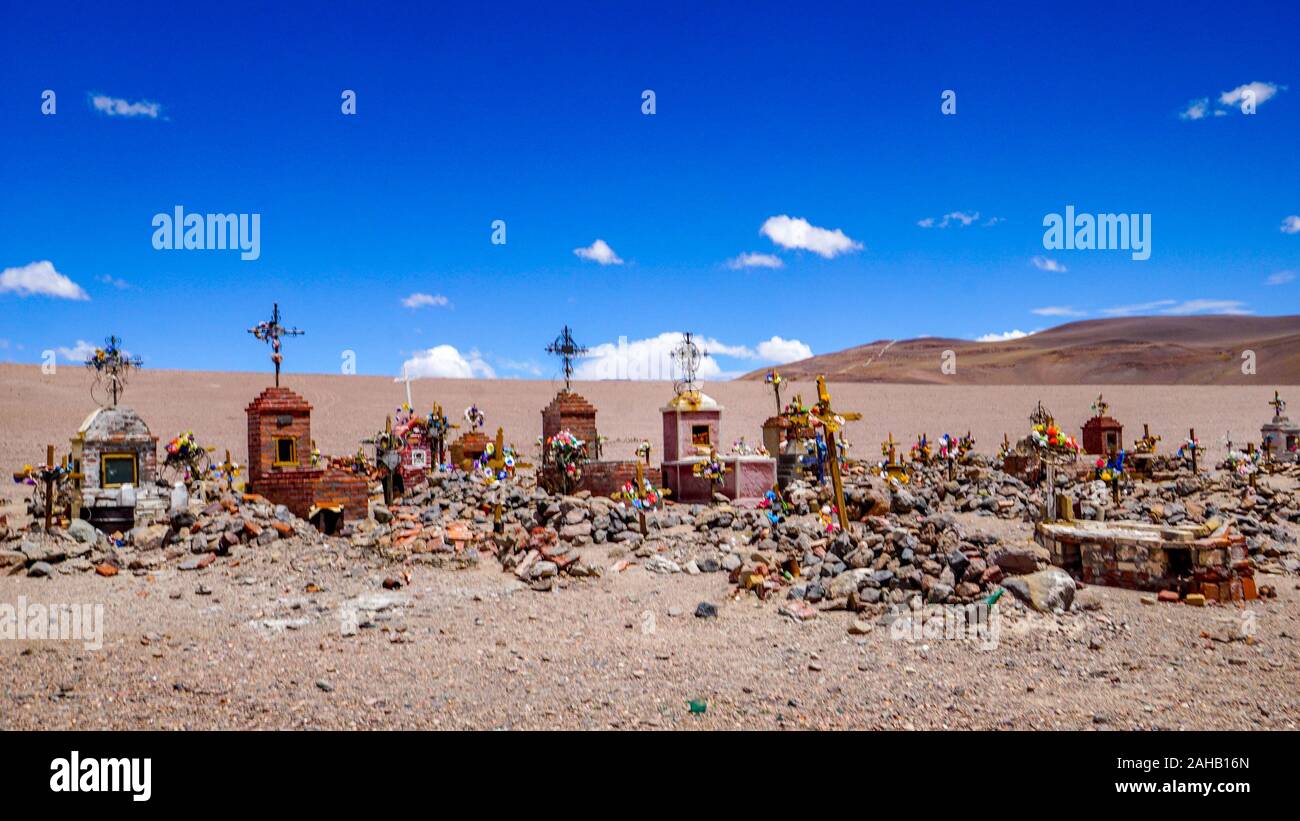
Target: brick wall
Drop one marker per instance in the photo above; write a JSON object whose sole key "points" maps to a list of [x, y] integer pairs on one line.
{"points": [[569, 411], [604, 478], [343, 487], [276, 412]]}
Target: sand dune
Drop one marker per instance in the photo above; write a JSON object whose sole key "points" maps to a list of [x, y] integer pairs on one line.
{"points": [[1146, 350]]}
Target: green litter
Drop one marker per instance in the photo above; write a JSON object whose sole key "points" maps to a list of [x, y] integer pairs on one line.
{"points": [[698, 706]]}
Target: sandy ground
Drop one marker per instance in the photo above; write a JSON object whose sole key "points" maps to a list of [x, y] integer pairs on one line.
{"points": [[242, 644], [36, 410], [469, 649]]}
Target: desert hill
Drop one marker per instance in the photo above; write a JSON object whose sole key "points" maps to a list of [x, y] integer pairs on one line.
{"points": [[1140, 350]]}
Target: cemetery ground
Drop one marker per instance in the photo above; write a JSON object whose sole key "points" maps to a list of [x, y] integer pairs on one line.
{"points": [[243, 644], [283, 630]]}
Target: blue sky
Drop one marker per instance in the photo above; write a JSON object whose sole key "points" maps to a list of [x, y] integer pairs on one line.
{"points": [[766, 117]]}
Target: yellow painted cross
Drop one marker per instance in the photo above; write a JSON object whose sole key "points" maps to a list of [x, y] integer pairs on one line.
{"points": [[832, 421]]}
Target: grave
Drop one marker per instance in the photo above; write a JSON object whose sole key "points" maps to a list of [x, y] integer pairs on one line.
{"points": [[1210, 559], [280, 463], [1279, 436], [470, 446], [1102, 435], [571, 412], [114, 452], [692, 424]]}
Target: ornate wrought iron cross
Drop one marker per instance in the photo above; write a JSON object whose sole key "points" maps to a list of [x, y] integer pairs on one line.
{"points": [[113, 364], [688, 357], [568, 350], [271, 332]]}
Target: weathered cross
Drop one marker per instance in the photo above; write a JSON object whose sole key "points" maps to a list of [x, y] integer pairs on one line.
{"points": [[568, 350], [831, 421], [112, 362], [688, 357], [271, 332], [1278, 404]]}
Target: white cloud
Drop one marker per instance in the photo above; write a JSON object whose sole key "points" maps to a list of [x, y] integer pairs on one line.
{"points": [[445, 362], [781, 351], [599, 251], [1005, 336], [1206, 306], [1045, 264], [750, 260], [40, 278], [1280, 278], [1058, 310], [1230, 100], [78, 352], [1263, 92], [418, 300], [1195, 110], [1172, 307], [118, 107], [963, 218], [651, 358], [1140, 308], [798, 233], [1291, 224]]}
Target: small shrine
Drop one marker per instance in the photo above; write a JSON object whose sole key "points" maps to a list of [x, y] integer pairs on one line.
{"points": [[114, 454], [405, 449], [571, 413], [1102, 435], [282, 464], [470, 446], [1280, 436], [692, 468]]}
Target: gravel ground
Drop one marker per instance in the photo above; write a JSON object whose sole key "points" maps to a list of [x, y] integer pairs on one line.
{"points": [[242, 644]]}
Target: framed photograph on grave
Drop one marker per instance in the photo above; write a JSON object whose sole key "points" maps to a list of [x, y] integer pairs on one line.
{"points": [[119, 469], [420, 459]]}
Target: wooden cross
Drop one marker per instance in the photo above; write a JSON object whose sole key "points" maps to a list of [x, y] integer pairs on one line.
{"points": [[639, 490], [48, 477], [271, 333], [228, 468], [439, 426], [1192, 437], [568, 350], [498, 460], [1278, 404], [831, 422], [76, 475]]}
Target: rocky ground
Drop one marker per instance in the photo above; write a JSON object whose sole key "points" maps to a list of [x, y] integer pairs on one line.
{"points": [[233, 614]]}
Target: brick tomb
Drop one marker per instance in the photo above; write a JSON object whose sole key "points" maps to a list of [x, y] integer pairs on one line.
{"points": [[1211, 560], [692, 421], [571, 412], [280, 464]]}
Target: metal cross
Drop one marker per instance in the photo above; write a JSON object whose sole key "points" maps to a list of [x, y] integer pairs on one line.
{"points": [[114, 364], [271, 332], [688, 357], [1278, 404], [568, 350]]}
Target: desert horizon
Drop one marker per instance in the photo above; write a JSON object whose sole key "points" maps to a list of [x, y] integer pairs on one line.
{"points": [[38, 410]]}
